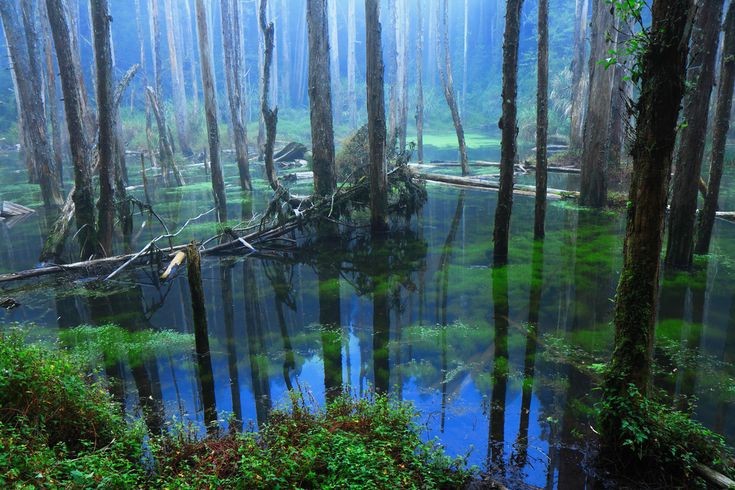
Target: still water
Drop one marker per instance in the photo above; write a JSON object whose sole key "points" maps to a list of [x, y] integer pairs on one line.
{"points": [[500, 364]]}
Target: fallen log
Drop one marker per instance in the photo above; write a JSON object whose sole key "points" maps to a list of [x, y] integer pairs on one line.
{"points": [[290, 152], [520, 189], [718, 480], [10, 209]]}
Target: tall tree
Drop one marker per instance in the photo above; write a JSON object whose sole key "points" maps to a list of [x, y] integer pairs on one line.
{"points": [[445, 72], [542, 117], [154, 25], [719, 137], [320, 98], [52, 99], [401, 73], [269, 117], [178, 87], [420, 83], [509, 128], [100, 11], [82, 195], [29, 81], [579, 75], [685, 188], [351, 63], [376, 116], [662, 88], [596, 145], [210, 108], [233, 65]]}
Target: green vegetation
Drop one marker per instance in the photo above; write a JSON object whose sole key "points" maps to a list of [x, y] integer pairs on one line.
{"points": [[61, 429]]}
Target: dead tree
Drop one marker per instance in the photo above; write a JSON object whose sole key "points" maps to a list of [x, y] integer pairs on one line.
{"points": [[29, 81], [509, 130], [333, 48], [445, 72], [270, 116], [542, 117], [106, 118], [719, 138], [154, 25], [165, 149], [52, 99], [320, 98], [596, 145], [701, 76], [177, 81], [210, 108], [579, 75], [233, 65], [82, 194], [351, 63], [420, 83], [88, 115], [376, 117]]}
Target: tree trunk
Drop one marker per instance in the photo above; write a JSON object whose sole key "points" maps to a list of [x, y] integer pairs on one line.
{"points": [[269, 117], [464, 56], [83, 195], [351, 64], [719, 137], [445, 73], [320, 98], [685, 188], [210, 108], [53, 109], [420, 84], [596, 145], [233, 66], [286, 56], [29, 80], [509, 128], [542, 117], [376, 117], [262, 89], [165, 150], [103, 68], [402, 34], [178, 88], [579, 76], [332, 28], [190, 58], [619, 104], [88, 115], [155, 33], [662, 88]]}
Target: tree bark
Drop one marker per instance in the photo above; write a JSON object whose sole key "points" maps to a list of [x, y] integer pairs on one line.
{"points": [[210, 108], [663, 76], [320, 98], [154, 20], [685, 188], [54, 110], [351, 63], [509, 128], [445, 73], [595, 151], [286, 56], [29, 80], [103, 67], [165, 150], [88, 115], [233, 65], [83, 195], [420, 84], [269, 116], [190, 58], [579, 76], [376, 117], [333, 51], [178, 88], [542, 117], [719, 137]]}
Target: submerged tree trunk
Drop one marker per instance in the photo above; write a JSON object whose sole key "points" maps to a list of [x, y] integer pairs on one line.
{"points": [[82, 195], [542, 117], [233, 66], [595, 148], [177, 81], [29, 81], [103, 63], [509, 130], [420, 84], [685, 189], [719, 138], [320, 98], [663, 76], [579, 76], [210, 108], [376, 117], [351, 64], [445, 73]]}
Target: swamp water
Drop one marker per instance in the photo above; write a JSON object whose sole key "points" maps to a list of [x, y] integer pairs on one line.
{"points": [[501, 365]]}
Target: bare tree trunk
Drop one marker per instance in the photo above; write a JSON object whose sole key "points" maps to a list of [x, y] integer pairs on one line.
{"points": [[320, 98], [509, 128], [165, 150], [155, 33], [619, 104], [29, 81], [579, 75], [464, 57], [263, 89], [663, 77], [402, 74], [420, 83], [719, 138], [88, 115], [376, 117], [286, 55], [595, 152], [69, 72], [190, 56], [103, 63], [301, 65], [178, 87], [334, 55], [701, 76], [54, 110], [445, 73], [210, 107], [233, 65], [270, 117], [276, 78], [542, 117], [392, 78], [351, 63]]}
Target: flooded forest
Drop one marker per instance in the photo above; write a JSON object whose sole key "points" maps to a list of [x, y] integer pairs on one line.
{"points": [[367, 244]]}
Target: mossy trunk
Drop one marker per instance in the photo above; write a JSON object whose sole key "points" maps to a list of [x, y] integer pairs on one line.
{"points": [[542, 117]]}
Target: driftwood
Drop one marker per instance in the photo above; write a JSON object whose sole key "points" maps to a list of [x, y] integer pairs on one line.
{"points": [[290, 152], [10, 209]]}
